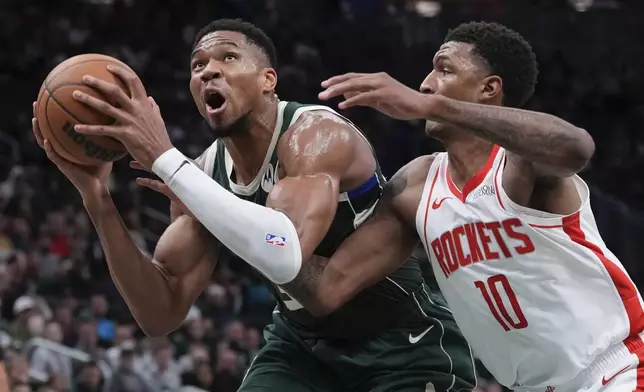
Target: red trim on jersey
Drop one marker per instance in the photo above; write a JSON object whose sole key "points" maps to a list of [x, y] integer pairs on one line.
{"points": [[429, 200], [496, 184], [565, 221], [546, 226], [476, 179], [635, 346], [626, 289]]}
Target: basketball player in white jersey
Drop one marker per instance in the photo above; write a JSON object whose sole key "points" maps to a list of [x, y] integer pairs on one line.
{"points": [[504, 218]]}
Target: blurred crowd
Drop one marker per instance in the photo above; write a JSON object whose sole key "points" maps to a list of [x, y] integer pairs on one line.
{"points": [[64, 326]]}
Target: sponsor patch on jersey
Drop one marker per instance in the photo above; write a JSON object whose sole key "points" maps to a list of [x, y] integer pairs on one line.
{"points": [[485, 190], [276, 240]]}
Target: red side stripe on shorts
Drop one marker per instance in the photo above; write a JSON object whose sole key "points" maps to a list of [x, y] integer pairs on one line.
{"points": [[635, 345]]}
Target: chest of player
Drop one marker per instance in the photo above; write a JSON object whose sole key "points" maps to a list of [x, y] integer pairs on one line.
{"points": [[257, 191], [471, 231]]}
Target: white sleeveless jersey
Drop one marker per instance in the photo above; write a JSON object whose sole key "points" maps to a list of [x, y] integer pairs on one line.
{"points": [[537, 295]]}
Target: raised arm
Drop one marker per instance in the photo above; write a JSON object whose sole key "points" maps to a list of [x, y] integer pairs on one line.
{"points": [[552, 146], [158, 290], [373, 252], [543, 151]]}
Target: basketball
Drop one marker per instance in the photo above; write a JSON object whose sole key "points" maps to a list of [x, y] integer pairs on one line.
{"points": [[57, 111]]}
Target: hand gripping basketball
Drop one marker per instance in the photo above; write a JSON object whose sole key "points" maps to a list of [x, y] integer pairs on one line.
{"points": [[88, 179], [139, 125]]}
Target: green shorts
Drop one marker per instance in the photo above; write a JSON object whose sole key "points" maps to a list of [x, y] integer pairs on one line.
{"points": [[417, 354]]}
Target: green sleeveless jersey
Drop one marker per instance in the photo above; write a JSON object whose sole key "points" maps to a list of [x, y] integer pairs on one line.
{"points": [[369, 310]]}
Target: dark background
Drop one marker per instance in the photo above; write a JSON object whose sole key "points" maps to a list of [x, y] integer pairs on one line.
{"points": [[591, 75]]}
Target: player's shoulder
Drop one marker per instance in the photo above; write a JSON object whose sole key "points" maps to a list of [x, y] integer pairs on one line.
{"points": [[402, 193], [416, 170], [319, 131], [316, 120]]}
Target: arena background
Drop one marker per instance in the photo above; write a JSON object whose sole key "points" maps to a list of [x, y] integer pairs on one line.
{"points": [[63, 324]]}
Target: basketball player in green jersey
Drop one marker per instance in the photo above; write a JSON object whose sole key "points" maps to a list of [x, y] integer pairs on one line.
{"points": [[321, 180]]}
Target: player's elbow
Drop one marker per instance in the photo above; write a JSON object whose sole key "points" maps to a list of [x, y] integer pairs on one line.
{"points": [[154, 331], [157, 330], [161, 325], [579, 152]]}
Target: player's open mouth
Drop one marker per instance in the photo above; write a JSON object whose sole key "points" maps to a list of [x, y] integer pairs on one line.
{"points": [[215, 102]]}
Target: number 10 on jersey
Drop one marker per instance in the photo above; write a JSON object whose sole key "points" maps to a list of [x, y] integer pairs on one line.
{"points": [[492, 296]]}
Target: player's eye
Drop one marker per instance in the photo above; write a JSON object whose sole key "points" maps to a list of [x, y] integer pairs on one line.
{"points": [[198, 65], [230, 56]]}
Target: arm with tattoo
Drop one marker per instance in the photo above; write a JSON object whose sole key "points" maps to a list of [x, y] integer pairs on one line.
{"points": [[373, 252], [555, 147]]}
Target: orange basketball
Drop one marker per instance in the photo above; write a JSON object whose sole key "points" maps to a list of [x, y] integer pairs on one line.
{"points": [[57, 111]]}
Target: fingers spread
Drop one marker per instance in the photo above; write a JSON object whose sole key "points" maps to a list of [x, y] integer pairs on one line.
{"points": [[155, 185], [101, 105], [369, 98], [113, 92], [340, 78], [131, 80]]}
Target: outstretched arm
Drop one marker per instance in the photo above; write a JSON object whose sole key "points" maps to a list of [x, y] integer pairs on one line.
{"points": [[554, 147], [373, 252]]}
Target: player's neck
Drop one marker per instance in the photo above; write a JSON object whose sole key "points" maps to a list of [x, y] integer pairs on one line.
{"points": [[248, 149], [466, 154]]}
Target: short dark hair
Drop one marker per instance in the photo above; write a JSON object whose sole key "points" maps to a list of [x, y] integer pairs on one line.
{"points": [[507, 54], [254, 35]]}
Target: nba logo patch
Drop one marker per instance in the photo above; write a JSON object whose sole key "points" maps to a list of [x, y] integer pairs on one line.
{"points": [[276, 240]]}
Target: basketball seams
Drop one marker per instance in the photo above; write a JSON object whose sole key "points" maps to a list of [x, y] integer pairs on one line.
{"points": [[50, 94], [105, 58], [51, 78]]}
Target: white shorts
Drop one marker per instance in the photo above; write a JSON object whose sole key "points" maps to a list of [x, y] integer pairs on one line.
{"points": [[619, 369]]}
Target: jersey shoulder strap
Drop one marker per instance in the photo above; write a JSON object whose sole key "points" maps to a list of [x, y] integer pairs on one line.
{"points": [[206, 161]]}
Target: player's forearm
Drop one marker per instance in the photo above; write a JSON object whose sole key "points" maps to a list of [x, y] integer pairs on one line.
{"points": [[322, 288], [324, 285], [538, 137], [373, 252], [261, 236], [368, 256], [308, 290], [143, 287]]}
